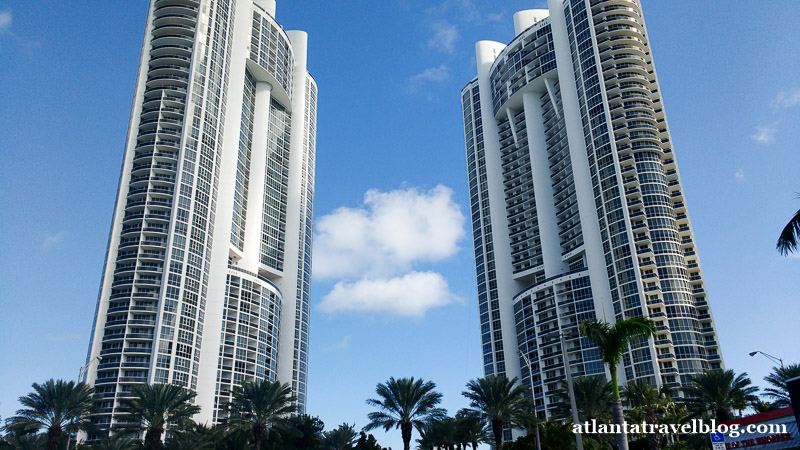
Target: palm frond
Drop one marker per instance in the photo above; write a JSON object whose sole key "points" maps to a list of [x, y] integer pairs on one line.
{"points": [[54, 404], [403, 402], [787, 241]]}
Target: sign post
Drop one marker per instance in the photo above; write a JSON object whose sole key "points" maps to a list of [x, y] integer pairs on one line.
{"points": [[717, 440]]}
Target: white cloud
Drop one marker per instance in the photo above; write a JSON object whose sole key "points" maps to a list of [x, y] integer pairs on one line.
{"points": [[5, 21], [495, 17], [432, 74], [739, 175], [51, 240], [445, 36], [372, 250], [464, 10], [469, 10], [388, 234], [408, 296], [786, 99], [765, 133], [343, 344]]}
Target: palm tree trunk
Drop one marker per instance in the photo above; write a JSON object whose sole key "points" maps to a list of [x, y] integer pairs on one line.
{"points": [[722, 415], [497, 429], [616, 411], [53, 436], [405, 429], [258, 435], [152, 439], [653, 439], [619, 419]]}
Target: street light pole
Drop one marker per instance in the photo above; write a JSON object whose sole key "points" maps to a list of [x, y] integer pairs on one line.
{"points": [[81, 373], [773, 358], [85, 368], [530, 375]]}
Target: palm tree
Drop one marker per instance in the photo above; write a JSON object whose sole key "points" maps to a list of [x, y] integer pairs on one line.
{"points": [[341, 438], [54, 405], [154, 407], [612, 341], [117, 442], [471, 429], [24, 441], [439, 433], [653, 402], [715, 393], [787, 241], [529, 421], [234, 439], [406, 404], [194, 437], [675, 414], [761, 406], [556, 436], [779, 392], [302, 432], [259, 406], [498, 401], [367, 442], [593, 396]]}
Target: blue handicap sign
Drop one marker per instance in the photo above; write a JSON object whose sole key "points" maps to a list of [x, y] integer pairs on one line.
{"points": [[716, 436]]}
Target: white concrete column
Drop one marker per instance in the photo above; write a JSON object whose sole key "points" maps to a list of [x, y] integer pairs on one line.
{"points": [[542, 187], [593, 245], [527, 18], [486, 53], [255, 191], [267, 5], [221, 244], [288, 283]]}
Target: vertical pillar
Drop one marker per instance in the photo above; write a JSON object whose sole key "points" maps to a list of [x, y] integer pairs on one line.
{"points": [[542, 188], [590, 226], [288, 283], [255, 191], [486, 54]]}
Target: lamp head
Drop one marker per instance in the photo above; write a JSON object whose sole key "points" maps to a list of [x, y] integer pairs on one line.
{"points": [[753, 353]]}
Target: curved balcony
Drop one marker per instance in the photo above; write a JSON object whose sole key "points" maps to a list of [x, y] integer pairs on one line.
{"points": [[173, 39], [163, 68], [602, 4], [175, 7], [616, 9], [620, 17], [168, 82], [151, 245], [170, 60], [621, 39], [149, 256], [163, 26], [181, 47], [174, 18]]}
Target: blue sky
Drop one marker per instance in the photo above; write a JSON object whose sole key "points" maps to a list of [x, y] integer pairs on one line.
{"points": [[389, 143]]}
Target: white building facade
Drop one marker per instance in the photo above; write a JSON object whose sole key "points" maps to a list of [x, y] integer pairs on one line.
{"points": [[576, 202], [207, 274]]}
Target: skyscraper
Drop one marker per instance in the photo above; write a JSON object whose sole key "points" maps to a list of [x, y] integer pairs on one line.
{"points": [[577, 207], [206, 278]]}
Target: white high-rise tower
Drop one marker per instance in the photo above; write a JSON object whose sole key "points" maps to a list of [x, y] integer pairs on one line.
{"points": [[577, 207], [206, 279]]}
